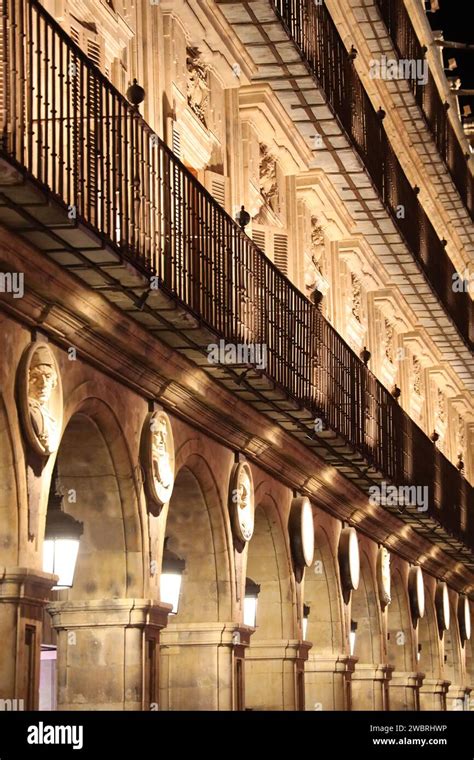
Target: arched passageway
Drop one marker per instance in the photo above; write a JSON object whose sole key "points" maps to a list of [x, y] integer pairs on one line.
{"points": [[404, 683], [198, 666], [328, 668], [273, 680], [369, 680], [97, 623]]}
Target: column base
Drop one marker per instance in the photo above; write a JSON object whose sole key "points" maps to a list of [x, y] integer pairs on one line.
{"points": [[457, 698], [328, 682], [202, 666], [433, 694], [405, 691], [369, 686], [274, 674], [108, 653], [24, 593]]}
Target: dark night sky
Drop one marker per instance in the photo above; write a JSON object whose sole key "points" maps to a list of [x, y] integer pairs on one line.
{"points": [[456, 19]]}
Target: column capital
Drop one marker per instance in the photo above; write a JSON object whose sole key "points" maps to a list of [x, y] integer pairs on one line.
{"points": [[372, 672], [25, 585], [277, 649], [341, 663], [131, 613], [412, 680], [205, 634], [434, 686]]}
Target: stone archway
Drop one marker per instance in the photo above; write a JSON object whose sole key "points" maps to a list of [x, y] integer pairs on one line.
{"points": [[103, 624], [272, 660], [328, 669], [455, 661], [405, 681], [370, 677], [197, 657], [429, 656]]}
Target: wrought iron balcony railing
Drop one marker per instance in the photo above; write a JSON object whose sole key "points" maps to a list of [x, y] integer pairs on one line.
{"points": [[72, 135], [406, 42], [314, 33]]}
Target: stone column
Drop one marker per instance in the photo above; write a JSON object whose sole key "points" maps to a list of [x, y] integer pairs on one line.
{"points": [[108, 653], [457, 697], [202, 666], [433, 694], [405, 691], [328, 682], [274, 675], [369, 687], [24, 594]]}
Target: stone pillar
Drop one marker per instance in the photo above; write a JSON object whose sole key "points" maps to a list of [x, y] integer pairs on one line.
{"points": [[202, 666], [108, 653], [457, 697], [328, 682], [405, 691], [24, 594], [433, 694], [370, 687], [274, 675]]}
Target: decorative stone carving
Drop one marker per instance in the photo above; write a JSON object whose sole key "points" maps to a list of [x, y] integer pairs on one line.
{"points": [[268, 178], [416, 371], [383, 576], [158, 460], [41, 398], [356, 297], [460, 435], [388, 340], [317, 243], [301, 529], [241, 503], [441, 406], [349, 562], [197, 86], [416, 593]]}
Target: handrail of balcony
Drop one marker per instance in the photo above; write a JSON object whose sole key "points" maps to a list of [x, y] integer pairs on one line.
{"points": [[67, 129], [435, 112], [315, 34]]}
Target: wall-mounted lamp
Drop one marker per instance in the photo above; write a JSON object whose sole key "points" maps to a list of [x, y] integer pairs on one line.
{"points": [[61, 540], [252, 591], [172, 570], [352, 637], [418, 654], [306, 611]]}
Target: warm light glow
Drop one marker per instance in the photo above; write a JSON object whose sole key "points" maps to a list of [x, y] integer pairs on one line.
{"points": [[305, 628], [250, 611], [170, 588], [59, 558], [352, 641]]}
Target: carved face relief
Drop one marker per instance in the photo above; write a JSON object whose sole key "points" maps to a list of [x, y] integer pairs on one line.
{"points": [[383, 576], [41, 399], [157, 454], [241, 503]]}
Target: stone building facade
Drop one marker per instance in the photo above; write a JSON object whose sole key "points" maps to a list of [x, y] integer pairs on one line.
{"points": [[377, 616]]}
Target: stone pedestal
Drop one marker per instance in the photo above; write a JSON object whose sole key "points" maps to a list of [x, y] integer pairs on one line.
{"points": [[202, 666], [405, 691], [370, 687], [433, 694], [457, 698], [108, 653], [274, 675], [23, 595], [328, 682]]}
